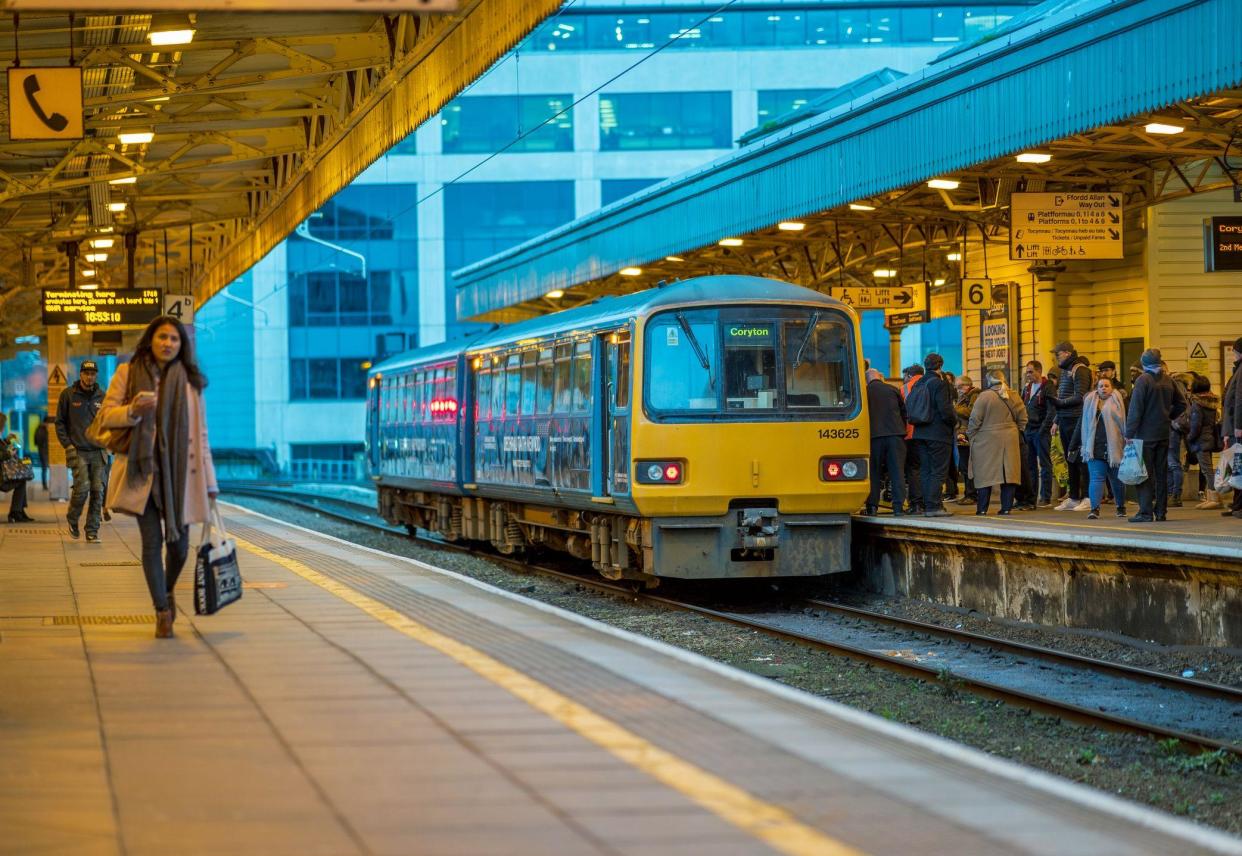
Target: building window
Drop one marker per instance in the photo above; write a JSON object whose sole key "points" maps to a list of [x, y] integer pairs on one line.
{"points": [[337, 221], [481, 124], [407, 145], [665, 120], [335, 299], [612, 189], [324, 451], [483, 218], [777, 102], [327, 379]]}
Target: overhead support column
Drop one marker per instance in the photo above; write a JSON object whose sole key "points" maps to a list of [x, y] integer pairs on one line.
{"points": [[894, 353], [57, 376], [1045, 304]]}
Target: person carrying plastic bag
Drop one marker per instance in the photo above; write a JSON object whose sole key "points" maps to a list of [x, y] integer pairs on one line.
{"points": [[1154, 403]]}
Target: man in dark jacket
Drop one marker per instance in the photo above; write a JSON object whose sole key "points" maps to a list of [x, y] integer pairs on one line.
{"points": [[1231, 419], [74, 413], [1037, 394], [40, 439], [914, 484], [888, 442], [1154, 402], [934, 440], [1075, 382]]}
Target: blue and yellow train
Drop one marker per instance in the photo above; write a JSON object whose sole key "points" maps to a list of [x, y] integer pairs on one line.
{"points": [[715, 427]]}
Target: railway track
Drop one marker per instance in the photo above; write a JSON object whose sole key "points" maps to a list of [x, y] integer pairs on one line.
{"points": [[355, 513]]}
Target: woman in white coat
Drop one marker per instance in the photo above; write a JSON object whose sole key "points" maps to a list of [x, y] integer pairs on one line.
{"points": [[166, 478]]}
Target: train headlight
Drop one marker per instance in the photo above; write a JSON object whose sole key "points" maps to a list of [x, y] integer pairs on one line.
{"points": [[655, 473], [850, 469], [660, 472]]}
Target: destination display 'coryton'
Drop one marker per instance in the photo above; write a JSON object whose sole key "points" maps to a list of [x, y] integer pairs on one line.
{"points": [[102, 306]]}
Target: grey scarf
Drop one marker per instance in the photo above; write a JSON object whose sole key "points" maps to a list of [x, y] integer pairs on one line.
{"points": [[160, 442]]}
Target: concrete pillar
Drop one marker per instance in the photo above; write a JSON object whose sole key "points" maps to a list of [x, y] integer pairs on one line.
{"points": [[894, 353], [57, 380]]}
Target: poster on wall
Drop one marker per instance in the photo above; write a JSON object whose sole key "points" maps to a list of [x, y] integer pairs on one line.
{"points": [[994, 344]]}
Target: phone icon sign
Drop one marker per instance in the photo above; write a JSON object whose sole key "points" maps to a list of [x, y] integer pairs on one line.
{"points": [[45, 103], [56, 121]]}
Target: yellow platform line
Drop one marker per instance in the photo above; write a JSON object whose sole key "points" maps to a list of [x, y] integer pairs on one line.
{"points": [[770, 823]]}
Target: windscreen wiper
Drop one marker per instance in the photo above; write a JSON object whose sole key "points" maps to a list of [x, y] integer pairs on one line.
{"points": [[806, 338], [698, 349]]}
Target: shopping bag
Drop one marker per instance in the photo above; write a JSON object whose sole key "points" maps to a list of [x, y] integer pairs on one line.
{"points": [[1132, 470], [1235, 470], [1221, 482], [1060, 469], [217, 577]]}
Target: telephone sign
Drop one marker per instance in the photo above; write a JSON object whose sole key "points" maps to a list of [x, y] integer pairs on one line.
{"points": [[45, 103], [976, 293]]}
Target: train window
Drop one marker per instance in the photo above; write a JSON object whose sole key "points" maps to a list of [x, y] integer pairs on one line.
{"points": [[483, 393], [543, 397], [450, 385], [528, 382], [564, 394], [620, 370], [749, 364], [681, 351], [498, 391], [582, 376], [817, 365], [513, 385]]}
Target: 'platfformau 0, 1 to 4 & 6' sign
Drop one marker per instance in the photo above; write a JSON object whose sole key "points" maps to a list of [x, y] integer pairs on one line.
{"points": [[103, 307]]}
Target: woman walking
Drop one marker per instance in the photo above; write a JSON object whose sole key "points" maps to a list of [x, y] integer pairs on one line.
{"points": [[1202, 422], [1100, 441], [996, 421], [17, 505], [166, 478]]}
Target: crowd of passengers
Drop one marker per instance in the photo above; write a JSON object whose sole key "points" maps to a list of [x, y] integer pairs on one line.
{"points": [[940, 438]]}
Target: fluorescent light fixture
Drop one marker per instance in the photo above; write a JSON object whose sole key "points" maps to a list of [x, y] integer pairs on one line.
{"points": [[1033, 157], [129, 179], [102, 243], [730, 242], [72, 331], [163, 38], [631, 271], [938, 281], [117, 207], [791, 226], [555, 294], [72, 325], [1162, 128], [673, 259], [87, 272], [104, 229], [954, 257], [96, 258], [136, 138], [944, 184], [884, 273], [858, 206], [88, 286]]}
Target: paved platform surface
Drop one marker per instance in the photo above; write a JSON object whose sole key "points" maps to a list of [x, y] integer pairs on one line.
{"points": [[355, 702]]}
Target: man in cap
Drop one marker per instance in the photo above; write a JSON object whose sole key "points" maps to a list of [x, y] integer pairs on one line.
{"points": [[74, 413], [1072, 386], [1154, 403], [1108, 369], [1231, 419]]}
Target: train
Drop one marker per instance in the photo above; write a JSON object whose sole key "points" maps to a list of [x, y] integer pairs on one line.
{"points": [[710, 428]]}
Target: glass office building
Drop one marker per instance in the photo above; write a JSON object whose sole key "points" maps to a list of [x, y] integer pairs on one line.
{"points": [[528, 147]]}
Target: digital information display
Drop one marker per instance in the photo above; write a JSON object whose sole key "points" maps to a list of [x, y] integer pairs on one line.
{"points": [[102, 307]]}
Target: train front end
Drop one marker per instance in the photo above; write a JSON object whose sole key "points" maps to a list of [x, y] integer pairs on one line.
{"points": [[750, 448]]}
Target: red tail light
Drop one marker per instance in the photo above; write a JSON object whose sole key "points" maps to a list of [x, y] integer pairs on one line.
{"points": [[659, 472]]}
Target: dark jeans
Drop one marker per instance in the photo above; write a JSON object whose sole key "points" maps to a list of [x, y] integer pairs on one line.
{"points": [[888, 455], [88, 480], [968, 484], [1153, 491], [914, 482], [983, 498], [1037, 455], [1077, 472], [933, 465], [17, 504], [43, 465], [161, 575]]}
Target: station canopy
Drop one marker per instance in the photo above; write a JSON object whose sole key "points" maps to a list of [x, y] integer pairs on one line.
{"points": [[242, 132], [1142, 98]]}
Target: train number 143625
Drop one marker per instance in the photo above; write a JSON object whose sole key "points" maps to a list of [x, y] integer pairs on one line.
{"points": [[838, 433]]}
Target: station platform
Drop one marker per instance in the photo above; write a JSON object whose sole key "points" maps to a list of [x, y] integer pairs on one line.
{"points": [[357, 702]]}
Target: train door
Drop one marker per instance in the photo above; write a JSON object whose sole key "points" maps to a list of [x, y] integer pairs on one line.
{"points": [[617, 397], [374, 416]]}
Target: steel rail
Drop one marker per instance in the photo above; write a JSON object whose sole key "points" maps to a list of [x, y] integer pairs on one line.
{"points": [[985, 689]]}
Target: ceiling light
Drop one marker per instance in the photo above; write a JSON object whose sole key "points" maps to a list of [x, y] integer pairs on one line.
{"points": [[631, 271], [884, 273], [791, 226], [170, 37], [673, 259], [943, 184], [136, 138], [117, 207], [87, 272], [1161, 128], [730, 242], [86, 286], [954, 257], [129, 179], [72, 331], [555, 294], [1033, 157], [96, 258], [102, 243], [938, 282], [104, 229], [858, 206]]}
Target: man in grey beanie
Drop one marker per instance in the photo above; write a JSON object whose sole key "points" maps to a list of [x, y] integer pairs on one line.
{"points": [[1154, 403]]}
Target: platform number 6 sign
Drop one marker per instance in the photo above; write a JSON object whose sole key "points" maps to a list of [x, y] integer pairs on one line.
{"points": [[976, 293]]}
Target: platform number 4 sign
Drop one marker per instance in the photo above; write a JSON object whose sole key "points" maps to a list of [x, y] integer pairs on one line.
{"points": [[976, 294], [180, 306]]}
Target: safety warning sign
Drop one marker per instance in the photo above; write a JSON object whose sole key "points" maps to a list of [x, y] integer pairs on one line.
{"points": [[1197, 359], [1066, 226]]}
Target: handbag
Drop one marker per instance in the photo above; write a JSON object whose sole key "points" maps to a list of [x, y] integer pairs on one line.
{"points": [[16, 469], [1132, 469], [217, 577], [115, 440]]}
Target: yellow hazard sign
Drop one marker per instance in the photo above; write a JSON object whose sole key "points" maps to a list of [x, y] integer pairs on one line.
{"points": [[45, 103], [1197, 359]]}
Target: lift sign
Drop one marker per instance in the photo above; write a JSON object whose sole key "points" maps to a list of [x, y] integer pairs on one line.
{"points": [[101, 307]]}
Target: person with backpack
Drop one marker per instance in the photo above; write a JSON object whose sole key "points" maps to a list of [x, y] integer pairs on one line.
{"points": [[929, 407], [1199, 424], [914, 486], [966, 394], [888, 442], [1073, 385]]}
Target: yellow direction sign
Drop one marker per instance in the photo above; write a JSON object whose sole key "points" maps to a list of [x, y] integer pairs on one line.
{"points": [[909, 298], [45, 103], [976, 293], [1066, 226]]}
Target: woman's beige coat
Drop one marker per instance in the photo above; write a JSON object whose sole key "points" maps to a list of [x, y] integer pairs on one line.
{"points": [[995, 450], [200, 475]]}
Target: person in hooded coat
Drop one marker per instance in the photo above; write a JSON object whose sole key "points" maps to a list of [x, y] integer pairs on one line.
{"points": [[995, 425]]}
